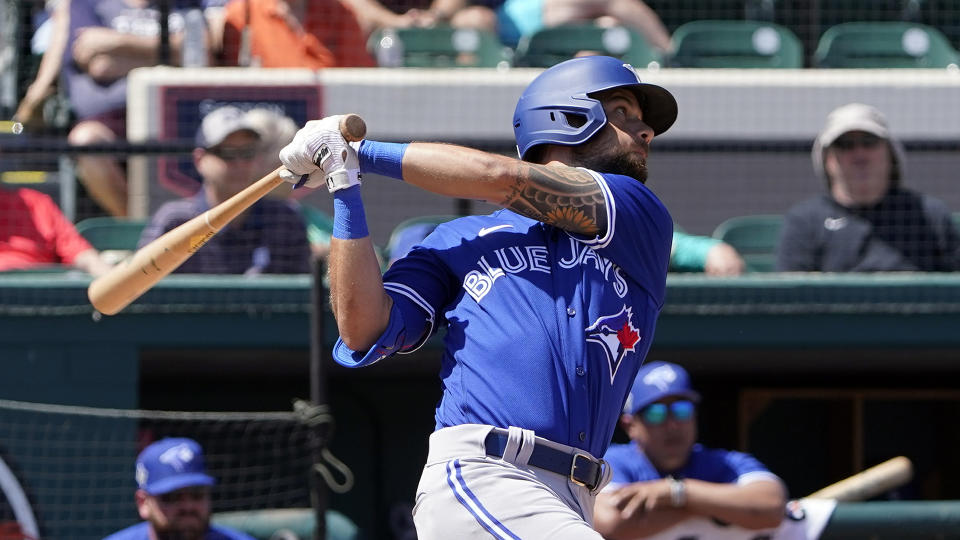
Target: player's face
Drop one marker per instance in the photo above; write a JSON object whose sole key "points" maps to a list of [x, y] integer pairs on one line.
{"points": [[622, 146], [666, 438], [858, 165], [183, 514], [230, 165]]}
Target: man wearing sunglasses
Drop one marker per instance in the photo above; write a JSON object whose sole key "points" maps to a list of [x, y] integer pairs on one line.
{"points": [[173, 495], [662, 477], [269, 238], [867, 221]]}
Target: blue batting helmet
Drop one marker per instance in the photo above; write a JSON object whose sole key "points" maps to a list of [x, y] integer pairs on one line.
{"points": [[544, 111]]}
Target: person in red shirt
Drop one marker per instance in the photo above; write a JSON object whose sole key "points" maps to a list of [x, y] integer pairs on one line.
{"points": [[294, 33], [33, 232]]}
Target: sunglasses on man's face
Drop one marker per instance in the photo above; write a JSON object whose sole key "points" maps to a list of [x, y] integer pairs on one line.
{"points": [[657, 413], [849, 142], [234, 153]]}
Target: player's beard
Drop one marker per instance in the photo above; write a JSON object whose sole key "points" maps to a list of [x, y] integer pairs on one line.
{"points": [[194, 528], [618, 161]]}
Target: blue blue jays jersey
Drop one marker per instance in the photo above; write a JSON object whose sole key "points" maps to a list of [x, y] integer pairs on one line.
{"points": [[630, 465], [544, 330]]}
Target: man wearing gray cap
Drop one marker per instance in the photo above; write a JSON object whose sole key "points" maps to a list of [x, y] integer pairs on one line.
{"points": [[663, 477], [268, 238], [867, 221]]}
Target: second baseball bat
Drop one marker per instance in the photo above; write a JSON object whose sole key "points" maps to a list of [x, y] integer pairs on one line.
{"points": [[869, 483], [127, 281]]}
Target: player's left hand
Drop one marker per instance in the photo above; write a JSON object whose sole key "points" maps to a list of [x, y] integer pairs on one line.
{"points": [[319, 154]]}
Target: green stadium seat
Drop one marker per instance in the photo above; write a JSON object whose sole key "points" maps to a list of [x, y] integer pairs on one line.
{"points": [[550, 46], [886, 44], [442, 47], [107, 233], [735, 44], [755, 237]]}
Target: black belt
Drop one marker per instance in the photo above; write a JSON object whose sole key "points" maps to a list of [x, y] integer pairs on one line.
{"points": [[580, 468]]}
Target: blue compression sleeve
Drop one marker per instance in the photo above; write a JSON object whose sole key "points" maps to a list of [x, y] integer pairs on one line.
{"points": [[385, 159], [349, 218]]}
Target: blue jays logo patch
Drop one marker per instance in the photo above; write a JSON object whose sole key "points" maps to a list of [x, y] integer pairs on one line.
{"points": [[617, 335]]}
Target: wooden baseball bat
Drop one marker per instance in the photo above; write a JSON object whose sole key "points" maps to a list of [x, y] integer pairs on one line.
{"points": [[869, 483], [128, 280]]}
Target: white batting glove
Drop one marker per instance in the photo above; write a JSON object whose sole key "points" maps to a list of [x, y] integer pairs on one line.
{"points": [[319, 154]]}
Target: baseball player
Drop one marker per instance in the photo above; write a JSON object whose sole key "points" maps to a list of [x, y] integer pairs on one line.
{"points": [[549, 304], [662, 477], [173, 495]]}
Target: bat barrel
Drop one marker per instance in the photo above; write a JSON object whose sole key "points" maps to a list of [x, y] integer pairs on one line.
{"points": [[869, 483]]}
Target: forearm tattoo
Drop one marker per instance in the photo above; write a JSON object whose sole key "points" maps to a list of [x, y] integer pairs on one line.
{"points": [[565, 197]]}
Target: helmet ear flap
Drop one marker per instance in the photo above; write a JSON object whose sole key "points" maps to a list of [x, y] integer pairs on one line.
{"points": [[534, 154]]}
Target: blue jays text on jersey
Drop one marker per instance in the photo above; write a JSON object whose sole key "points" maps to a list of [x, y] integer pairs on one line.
{"points": [[544, 330]]}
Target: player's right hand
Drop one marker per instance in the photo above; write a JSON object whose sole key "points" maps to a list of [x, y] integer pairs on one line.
{"points": [[319, 154]]}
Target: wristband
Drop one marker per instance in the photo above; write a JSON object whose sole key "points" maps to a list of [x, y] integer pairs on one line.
{"points": [[385, 159], [678, 492], [349, 218]]}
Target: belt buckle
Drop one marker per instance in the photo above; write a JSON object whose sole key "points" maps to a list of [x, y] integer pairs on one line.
{"points": [[573, 467]]}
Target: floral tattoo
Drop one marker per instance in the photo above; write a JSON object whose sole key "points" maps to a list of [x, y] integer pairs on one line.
{"points": [[565, 197]]}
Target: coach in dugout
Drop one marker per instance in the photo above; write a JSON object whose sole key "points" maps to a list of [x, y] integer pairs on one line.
{"points": [[867, 221], [662, 477], [174, 495]]}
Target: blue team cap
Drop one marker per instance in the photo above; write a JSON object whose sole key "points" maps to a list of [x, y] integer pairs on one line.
{"points": [[171, 464], [656, 381]]}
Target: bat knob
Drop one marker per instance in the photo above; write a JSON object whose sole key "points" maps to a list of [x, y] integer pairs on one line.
{"points": [[353, 128]]}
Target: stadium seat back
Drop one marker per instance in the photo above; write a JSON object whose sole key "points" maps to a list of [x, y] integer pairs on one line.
{"points": [[755, 237], [443, 46], [107, 233], [886, 44], [410, 232], [550, 46], [735, 44]]}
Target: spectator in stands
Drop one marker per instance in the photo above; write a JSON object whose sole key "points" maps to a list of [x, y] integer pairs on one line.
{"points": [[514, 19], [632, 13], [107, 39], [373, 15], [34, 233], [173, 495], [663, 477], [694, 253], [293, 33], [276, 130], [30, 109], [689, 253], [270, 237], [867, 221]]}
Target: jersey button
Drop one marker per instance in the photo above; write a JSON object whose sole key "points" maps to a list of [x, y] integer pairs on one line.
{"points": [[580, 371], [583, 436], [571, 312]]}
